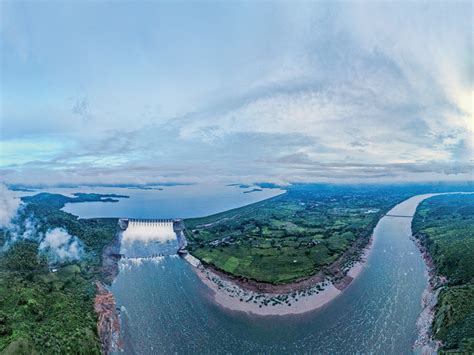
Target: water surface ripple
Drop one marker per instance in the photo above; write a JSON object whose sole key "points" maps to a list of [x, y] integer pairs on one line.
{"points": [[166, 308]]}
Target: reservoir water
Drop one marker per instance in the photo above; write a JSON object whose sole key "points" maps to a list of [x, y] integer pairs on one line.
{"points": [[167, 309], [182, 201]]}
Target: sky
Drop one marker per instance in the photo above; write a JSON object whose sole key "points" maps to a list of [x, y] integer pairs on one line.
{"points": [[108, 92]]}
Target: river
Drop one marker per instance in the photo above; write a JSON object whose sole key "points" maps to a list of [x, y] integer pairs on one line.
{"points": [[167, 309]]}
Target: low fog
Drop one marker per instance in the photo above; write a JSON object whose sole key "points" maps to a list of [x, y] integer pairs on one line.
{"points": [[57, 244], [9, 206]]}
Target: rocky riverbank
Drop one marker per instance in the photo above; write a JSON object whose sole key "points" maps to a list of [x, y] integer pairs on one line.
{"points": [[425, 344], [110, 259], [108, 323]]}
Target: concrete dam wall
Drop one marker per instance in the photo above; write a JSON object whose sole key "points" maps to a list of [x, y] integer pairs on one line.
{"points": [[151, 237]]}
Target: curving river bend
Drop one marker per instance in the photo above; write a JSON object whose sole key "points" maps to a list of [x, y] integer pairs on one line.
{"points": [[167, 309]]}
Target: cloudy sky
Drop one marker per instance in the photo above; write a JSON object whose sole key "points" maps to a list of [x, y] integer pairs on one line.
{"points": [[129, 92]]}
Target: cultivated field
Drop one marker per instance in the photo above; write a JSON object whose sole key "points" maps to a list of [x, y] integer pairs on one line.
{"points": [[292, 236]]}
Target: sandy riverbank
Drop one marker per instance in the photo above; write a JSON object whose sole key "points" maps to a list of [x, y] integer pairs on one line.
{"points": [[236, 295], [299, 297]]}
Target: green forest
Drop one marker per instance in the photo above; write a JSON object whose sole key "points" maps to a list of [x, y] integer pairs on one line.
{"points": [[445, 226], [294, 235], [49, 308]]}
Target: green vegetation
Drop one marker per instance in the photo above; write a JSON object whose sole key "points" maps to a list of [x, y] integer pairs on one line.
{"points": [[58, 201], [292, 236], [445, 225], [49, 309]]}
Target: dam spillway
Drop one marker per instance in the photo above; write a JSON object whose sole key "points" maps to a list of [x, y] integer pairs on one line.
{"points": [[125, 222], [143, 238]]}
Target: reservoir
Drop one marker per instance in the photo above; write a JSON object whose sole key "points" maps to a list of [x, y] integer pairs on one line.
{"points": [[181, 201], [167, 309]]}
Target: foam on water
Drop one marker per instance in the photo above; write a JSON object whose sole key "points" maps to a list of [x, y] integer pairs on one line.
{"points": [[129, 263], [148, 239]]}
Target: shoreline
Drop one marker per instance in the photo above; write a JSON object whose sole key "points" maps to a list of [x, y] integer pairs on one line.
{"points": [[299, 297], [108, 321], [262, 299], [425, 344], [108, 317]]}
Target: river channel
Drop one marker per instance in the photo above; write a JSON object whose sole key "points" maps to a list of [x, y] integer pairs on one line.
{"points": [[167, 309]]}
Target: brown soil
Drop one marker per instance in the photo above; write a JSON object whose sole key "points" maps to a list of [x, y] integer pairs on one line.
{"points": [[108, 324]]}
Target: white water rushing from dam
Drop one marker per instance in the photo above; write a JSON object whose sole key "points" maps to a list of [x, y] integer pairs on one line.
{"points": [[145, 238], [144, 230]]}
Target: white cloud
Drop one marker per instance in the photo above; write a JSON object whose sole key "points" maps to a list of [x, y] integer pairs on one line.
{"points": [[61, 246], [387, 85], [370, 83], [9, 205]]}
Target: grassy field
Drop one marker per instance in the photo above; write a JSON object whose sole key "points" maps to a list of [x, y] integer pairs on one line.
{"points": [[45, 312], [445, 224], [292, 236]]}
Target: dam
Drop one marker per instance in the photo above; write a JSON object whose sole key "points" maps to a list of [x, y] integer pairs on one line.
{"points": [[144, 238]]}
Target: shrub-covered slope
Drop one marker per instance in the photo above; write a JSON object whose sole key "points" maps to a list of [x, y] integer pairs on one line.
{"points": [[48, 309], [445, 225]]}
